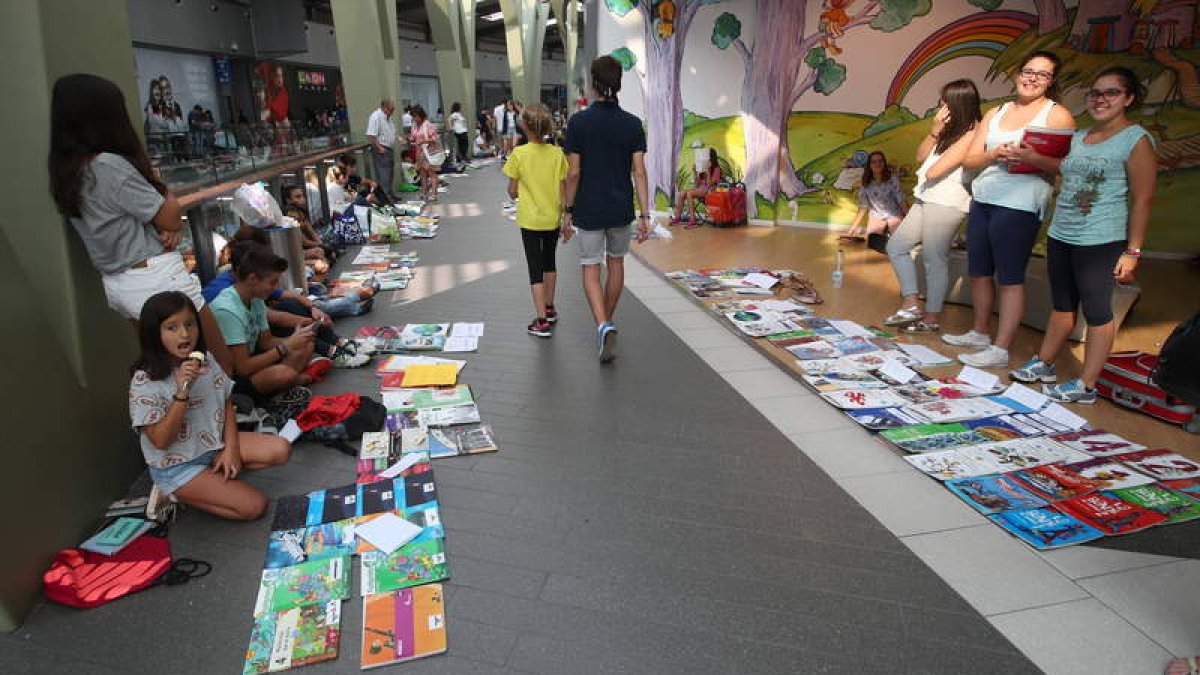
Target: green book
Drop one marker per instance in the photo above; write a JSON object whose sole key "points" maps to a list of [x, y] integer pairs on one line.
{"points": [[1176, 507], [414, 564], [309, 583]]}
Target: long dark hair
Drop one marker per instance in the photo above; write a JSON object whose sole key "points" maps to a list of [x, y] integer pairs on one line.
{"points": [[155, 360], [869, 175], [606, 77], [962, 100], [1053, 92], [88, 117]]}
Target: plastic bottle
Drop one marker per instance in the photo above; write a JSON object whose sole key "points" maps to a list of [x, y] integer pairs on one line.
{"points": [[839, 268]]}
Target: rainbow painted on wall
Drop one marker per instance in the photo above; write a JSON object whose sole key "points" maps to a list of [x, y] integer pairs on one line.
{"points": [[983, 34]]}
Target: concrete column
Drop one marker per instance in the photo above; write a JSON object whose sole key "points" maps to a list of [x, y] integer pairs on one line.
{"points": [[369, 55], [68, 450], [525, 32], [568, 15], [452, 23]]}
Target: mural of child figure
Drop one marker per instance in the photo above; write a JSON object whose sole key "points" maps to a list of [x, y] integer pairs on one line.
{"points": [[833, 23], [664, 18]]}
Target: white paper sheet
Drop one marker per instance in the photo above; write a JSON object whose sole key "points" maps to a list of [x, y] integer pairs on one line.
{"points": [[924, 354], [850, 328], [387, 532], [290, 431], [406, 462], [1026, 396], [1064, 417], [897, 371], [467, 330], [978, 378], [761, 280], [460, 344]]}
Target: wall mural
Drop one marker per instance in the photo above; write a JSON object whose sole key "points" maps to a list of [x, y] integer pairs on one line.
{"points": [[797, 57]]}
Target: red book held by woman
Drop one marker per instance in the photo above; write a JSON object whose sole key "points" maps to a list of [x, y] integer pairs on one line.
{"points": [[1048, 142]]}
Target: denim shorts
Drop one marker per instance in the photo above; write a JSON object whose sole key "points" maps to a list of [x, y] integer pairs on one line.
{"points": [[595, 244], [172, 478]]}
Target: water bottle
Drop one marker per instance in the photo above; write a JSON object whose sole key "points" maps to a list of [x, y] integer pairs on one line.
{"points": [[839, 268]]}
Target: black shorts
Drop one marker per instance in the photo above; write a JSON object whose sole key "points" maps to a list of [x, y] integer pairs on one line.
{"points": [[1082, 276]]}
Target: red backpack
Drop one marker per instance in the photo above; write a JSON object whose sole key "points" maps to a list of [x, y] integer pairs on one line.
{"points": [[81, 578]]}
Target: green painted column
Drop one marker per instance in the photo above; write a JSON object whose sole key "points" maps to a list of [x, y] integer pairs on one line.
{"points": [[452, 23], [369, 56], [568, 15], [68, 447], [525, 32]]}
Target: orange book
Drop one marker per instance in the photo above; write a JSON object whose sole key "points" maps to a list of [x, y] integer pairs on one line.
{"points": [[403, 625]]}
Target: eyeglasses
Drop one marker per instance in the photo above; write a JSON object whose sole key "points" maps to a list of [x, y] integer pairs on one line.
{"points": [[1039, 75], [1107, 94]]}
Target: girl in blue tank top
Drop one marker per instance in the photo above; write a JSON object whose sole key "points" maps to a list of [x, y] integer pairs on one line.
{"points": [[1095, 239]]}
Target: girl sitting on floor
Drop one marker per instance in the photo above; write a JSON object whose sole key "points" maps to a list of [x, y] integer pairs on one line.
{"points": [[180, 407], [880, 201], [703, 182]]}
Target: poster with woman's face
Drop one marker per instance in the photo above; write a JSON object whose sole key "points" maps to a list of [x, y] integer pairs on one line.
{"points": [[270, 92], [171, 83]]}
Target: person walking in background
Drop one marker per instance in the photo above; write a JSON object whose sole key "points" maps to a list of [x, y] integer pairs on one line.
{"points": [[458, 125], [381, 133], [425, 144], [1007, 210], [941, 202], [535, 172], [1095, 239], [604, 145]]}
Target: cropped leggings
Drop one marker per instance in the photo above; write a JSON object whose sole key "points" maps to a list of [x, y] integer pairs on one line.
{"points": [[933, 227], [1083, 276], [539, 252]]}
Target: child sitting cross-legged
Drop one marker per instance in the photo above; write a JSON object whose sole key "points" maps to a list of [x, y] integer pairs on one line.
{"points": [[267, 364], [179, 404]]}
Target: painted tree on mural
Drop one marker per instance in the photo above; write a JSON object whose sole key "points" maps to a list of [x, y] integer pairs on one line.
{"points": [[774, 83], [666, 24]]}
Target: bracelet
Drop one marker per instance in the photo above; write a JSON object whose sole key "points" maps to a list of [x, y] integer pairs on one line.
{"points": [[281, 349], [181, 400], [1132, 253], [643, 215]]}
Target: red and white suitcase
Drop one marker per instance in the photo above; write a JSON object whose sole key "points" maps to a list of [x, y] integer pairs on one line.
{"points": [[1126, 382], [726, 205]]}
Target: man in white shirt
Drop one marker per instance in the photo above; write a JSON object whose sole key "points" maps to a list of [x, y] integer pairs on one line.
{"points": [[498, 117], [406, 120], [382, 135]]}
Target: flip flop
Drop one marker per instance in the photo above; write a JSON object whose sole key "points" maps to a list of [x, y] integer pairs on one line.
{"points": [[922, 327]]}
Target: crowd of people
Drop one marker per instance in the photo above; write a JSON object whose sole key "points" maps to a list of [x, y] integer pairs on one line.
{"points": [[1094, 239]]}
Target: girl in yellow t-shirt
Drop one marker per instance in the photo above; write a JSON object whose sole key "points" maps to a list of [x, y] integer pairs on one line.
{"points": [[535, 173]]}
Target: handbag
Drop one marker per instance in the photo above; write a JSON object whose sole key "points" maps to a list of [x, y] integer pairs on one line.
{"points": [[436, 157]]}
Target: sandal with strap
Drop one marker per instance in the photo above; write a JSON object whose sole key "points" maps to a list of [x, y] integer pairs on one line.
{"points": [[802, 289], [903, 316], [922, 327]]}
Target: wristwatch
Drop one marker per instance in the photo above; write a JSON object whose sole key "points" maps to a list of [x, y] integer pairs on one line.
{"points": [[569, 209]]}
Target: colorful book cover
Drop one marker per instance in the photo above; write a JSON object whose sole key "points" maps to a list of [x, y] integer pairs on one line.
{"points": [[1097, 442], [958, 410], [475, 439], [1161, 464], [878, 419], [1109, 514], [930, 437], [877, 360], [863, 398], [1056, 482], [818, 326], [1045, 528], [425, 336], [1111, 475], [934, 390], [1026, 453], [414, 564], [447, 415], [309, 583], [821, 366], [428, 397], [792, 337], [756, 323], [817, 349], [117, 535], [398, 420], [286, 548], [1187, 486], [993, 494], [1178, 508], [375, 445], [951, 464], [426, 516], [850, 346], [834, 380], [403, 625], [380, 331], [294, 637]]}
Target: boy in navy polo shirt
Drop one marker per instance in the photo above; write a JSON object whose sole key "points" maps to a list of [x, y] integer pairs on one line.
{"points": [[604, 146]]}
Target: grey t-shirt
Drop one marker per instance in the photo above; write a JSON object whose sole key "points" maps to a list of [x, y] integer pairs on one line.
{"points": [[203, 428], [117, 205]]}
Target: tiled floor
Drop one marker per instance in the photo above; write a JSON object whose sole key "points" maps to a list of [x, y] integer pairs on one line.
{"points": [[645, 517]]}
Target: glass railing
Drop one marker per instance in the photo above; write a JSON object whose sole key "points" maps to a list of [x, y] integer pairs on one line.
{"points": [[197, 158]]}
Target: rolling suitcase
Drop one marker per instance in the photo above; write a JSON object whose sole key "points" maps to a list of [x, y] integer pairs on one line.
{"points": [[726, 205], [1126, 381]]}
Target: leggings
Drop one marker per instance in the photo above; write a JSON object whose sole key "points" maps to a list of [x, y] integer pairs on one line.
{"points": [[462, 146], [933, 227], [539, 252], [999, 242], [1083, 275]]}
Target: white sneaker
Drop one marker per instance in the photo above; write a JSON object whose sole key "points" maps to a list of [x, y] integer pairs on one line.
{"points": [[988, 357], [967, 339], [350, 360], [159, 507]]}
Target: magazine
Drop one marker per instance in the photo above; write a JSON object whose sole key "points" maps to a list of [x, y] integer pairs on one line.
{"points": [[1097, 442], [460, 439], [993, 494], [1109, 514], [447, 415], [863, 398], [424, 336], [817, 349], [294, 637], [757, 323], [933, 390], [1176, 507], [286, 548], [414, 564], [1045, 528], [1055, 482], [959, 410], [947, 465], [1161, 464], [877, 419], [1026, 453], [403, 625], [1188, 486], [930, 437], [310, 583], [850, 346], [1110, 474], [838, 380]]}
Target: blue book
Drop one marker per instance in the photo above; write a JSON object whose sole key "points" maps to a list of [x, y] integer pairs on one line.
{"points": [[995, 494], [1046, 528]]}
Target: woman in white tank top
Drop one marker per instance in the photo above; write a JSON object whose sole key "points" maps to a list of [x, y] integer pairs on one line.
{"points": [[1007, 210]]}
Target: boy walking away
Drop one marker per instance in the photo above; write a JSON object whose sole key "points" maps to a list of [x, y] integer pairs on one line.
{"points": [[604, 145], [267, 364], [535, 172]]}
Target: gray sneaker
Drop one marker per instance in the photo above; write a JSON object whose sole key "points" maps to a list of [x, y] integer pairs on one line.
{"points": [[1035, 370]]}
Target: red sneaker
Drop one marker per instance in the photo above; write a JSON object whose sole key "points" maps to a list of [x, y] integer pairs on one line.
{"points": [[317, 368], [551, 314], [540, 328]]}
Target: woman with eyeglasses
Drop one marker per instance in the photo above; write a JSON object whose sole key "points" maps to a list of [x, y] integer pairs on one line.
{"points": [[1007, 210], [1095, 239]]}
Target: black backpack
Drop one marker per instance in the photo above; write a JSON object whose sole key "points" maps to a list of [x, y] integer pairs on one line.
{"points": [[370, 416], [1178, 369]]}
